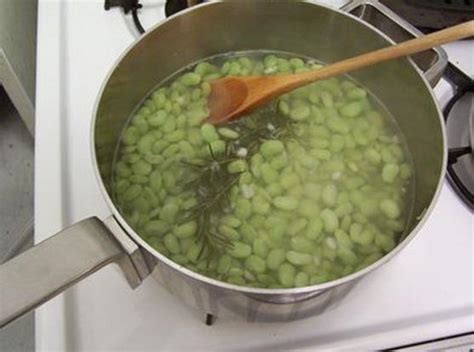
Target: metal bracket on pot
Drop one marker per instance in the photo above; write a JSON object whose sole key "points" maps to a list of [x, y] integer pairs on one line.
{"points": [[431, 62], [133, 264]]}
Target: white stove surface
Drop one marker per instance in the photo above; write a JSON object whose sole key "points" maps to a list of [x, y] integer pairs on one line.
{"points": [[426, 292]]}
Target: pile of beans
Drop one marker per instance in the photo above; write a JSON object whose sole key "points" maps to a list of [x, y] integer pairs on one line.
{"points": [[304, 211]]}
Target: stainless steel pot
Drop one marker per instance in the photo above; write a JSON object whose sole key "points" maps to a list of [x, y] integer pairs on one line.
{"points": [[210, 29]]}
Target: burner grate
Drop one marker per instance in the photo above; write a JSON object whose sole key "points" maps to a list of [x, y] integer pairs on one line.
{"points": [[459, 117], [457, 5]]}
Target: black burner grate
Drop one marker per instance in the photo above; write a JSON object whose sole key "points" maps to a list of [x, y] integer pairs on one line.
{"points": [[459, 117]]}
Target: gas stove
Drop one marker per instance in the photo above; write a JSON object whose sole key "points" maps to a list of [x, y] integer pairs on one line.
{"points": [[425, 293]]}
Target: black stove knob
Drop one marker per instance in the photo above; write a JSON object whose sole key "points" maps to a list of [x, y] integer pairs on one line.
{"points": [[174, 6]]}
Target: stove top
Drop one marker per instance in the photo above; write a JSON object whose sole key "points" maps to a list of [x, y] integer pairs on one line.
{"points": [[424, 293]]}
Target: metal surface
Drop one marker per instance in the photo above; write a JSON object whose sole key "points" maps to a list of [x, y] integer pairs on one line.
{"points": [[50, 267], [432, 62], [298, 27]]}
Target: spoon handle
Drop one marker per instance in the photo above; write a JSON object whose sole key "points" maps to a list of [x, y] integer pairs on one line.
{"points": [[409, 47]]}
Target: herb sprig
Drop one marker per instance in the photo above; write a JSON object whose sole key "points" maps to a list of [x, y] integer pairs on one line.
{"points": [[213, 181]]}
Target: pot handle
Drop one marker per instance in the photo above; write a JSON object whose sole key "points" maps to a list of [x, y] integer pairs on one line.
{"points": [[396, 28], [55, 264]]}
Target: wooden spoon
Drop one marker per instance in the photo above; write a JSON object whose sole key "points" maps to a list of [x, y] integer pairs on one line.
{"points": [[232, 97]]}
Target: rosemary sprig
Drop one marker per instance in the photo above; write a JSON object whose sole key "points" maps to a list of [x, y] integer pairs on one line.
{"points": [[212, 185], [212, 182]]}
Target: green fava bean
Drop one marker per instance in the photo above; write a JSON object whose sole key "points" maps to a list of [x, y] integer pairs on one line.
{"points": [[237, 166], [347, 256], [240, 250], [243, 209], [180, 259], [172, 244], [390, 208], [301, 279], [228, 133], [300, 113], [289, 180], [154, 159], [364, 238], [260, 247], [327, 99], [141, 168], [269, 175], [248, 233], [329, 195], [271, 148], [209, 133], [191, 79], [132, 193], [390, 172], [314, 229], [224, 264], [236, 280], [231, 221], [344, 209], [297, 226], [274, 189], [275, 258], [131, 135], [343, 239], [145, 144], [297, 258], [284, 107], [229, 232], [158, 118], [285, 203], [337, 143], [176, 136], [312, 191], [255, 264], [169, 212], [373, 156], [357, 93], [204, 68], [169, 126], [121, 186], [138, 179], [302, 244], [352, 109], [186, 230], [193, 252], [217, 147], [260, 205], [330, 221], [156, 181], [156, 228], [286, 275], [385, 242]]}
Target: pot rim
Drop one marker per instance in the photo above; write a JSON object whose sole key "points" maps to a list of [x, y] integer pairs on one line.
{"points": [[246, 289]]}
